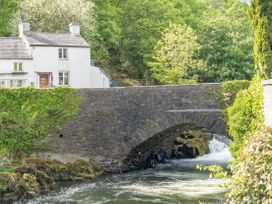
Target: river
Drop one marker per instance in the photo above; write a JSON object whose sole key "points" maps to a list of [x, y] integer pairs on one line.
{"points": [[171, 183]]}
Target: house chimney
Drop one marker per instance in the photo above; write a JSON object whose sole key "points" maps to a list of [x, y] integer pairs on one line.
{"points": [[23, 27], [74, 28]]}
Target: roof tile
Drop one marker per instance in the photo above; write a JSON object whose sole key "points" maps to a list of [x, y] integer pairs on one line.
{"points": [[55, 39], [13, 48]]}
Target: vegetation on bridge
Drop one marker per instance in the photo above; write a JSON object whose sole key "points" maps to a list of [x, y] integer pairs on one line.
{"points": [[28, 115]]}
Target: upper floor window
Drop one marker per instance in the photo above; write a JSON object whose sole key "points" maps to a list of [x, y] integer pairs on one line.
{"points": [[63, 53], [17, 66]]}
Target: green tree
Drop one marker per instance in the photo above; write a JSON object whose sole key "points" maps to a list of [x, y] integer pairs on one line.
{"points": [[142, 25], [175, 59], [7, 8], [226, 38], [261, 15], [56, 15], [105, 47]]}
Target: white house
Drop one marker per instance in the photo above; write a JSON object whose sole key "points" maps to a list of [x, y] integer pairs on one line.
{"points": [[45, 60]]}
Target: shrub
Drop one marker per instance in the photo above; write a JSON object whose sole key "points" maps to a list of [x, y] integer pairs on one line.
{"points": [[228, 91], [245, 116], [252, 178], [27, 116]]}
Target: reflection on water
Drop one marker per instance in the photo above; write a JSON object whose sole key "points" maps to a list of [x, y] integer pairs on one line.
{"points": [[172, 183]]}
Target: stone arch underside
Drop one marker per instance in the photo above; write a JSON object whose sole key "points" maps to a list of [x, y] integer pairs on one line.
{"points": [[159, 136]]}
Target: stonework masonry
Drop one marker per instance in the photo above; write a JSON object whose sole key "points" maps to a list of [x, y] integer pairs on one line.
{"points": [[112, 122]]}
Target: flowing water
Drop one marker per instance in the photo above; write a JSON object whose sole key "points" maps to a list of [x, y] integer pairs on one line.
{"points": [[174, 182]]}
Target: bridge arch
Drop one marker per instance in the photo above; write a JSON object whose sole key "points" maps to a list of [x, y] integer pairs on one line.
{"points": [[113, 122], [161, 136]]}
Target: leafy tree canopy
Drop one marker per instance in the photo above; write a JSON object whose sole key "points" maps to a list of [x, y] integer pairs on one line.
{"points": [[261, 15], [175, 58], [56, 15]]}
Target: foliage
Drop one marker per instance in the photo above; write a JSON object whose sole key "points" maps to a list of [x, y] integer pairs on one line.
{"points": [[28, 115], [107, 36], [124, 33], [226, 38], [215, 171], [175, 58], [228, 91], [142, 25], [261, 15], [250, 181], [56, 15], [7, 7], [252, 178], [246, 115]]}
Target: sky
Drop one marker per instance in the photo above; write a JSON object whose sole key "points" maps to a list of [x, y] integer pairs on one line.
{"points": [[248, 1]]}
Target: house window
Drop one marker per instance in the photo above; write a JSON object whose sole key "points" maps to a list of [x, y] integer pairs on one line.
{"points": [[17, 83], [63, 53], [2, 83], [64, 79], [17, 66]]}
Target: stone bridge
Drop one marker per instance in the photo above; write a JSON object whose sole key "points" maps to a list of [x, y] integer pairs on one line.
{"points": [[114, 124]]}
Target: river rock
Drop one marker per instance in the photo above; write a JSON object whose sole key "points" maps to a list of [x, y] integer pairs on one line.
{"points": [[38, 175]]}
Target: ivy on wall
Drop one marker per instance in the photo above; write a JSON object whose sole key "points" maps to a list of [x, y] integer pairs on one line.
{"points": [[27, 115]]}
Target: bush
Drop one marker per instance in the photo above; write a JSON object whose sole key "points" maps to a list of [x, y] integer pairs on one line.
{"points": [[245, 116], [252, 178], [27, 116], [228, 91]]}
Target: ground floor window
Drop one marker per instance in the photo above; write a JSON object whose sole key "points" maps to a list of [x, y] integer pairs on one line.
{"points": [[12, 82], [17, 83], [64, 79], [2, 83]]}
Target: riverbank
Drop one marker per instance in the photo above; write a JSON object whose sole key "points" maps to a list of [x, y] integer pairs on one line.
{"points": [[34, 176]]}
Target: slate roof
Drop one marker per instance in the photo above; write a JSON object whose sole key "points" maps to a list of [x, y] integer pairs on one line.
{"points": [[55, 39], [13, 48]]}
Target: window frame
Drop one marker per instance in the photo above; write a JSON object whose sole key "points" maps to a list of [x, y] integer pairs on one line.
{"points": [[65, 76], [18, 67], [16, 83], [63, 53]]}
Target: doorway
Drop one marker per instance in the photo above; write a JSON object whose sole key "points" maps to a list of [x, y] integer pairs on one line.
{"points": [[44, 81]]}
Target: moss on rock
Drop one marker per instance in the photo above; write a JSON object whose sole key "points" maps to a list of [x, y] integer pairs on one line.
{"points": [[37, 175], [196, 141]]}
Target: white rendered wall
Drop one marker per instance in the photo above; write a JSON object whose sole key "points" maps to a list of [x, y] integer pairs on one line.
{"points": [[98, 78], [46, 59], [7, 72]]}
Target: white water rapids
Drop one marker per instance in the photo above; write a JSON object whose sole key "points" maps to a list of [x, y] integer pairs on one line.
{"points": [[174, 183], [219, 155]]}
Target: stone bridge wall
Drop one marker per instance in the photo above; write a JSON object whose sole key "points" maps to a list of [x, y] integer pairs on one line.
{"points": [[111, 122]]}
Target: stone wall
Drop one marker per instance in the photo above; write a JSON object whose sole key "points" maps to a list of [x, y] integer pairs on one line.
{"points": [[112, 122], [268, 102]]}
